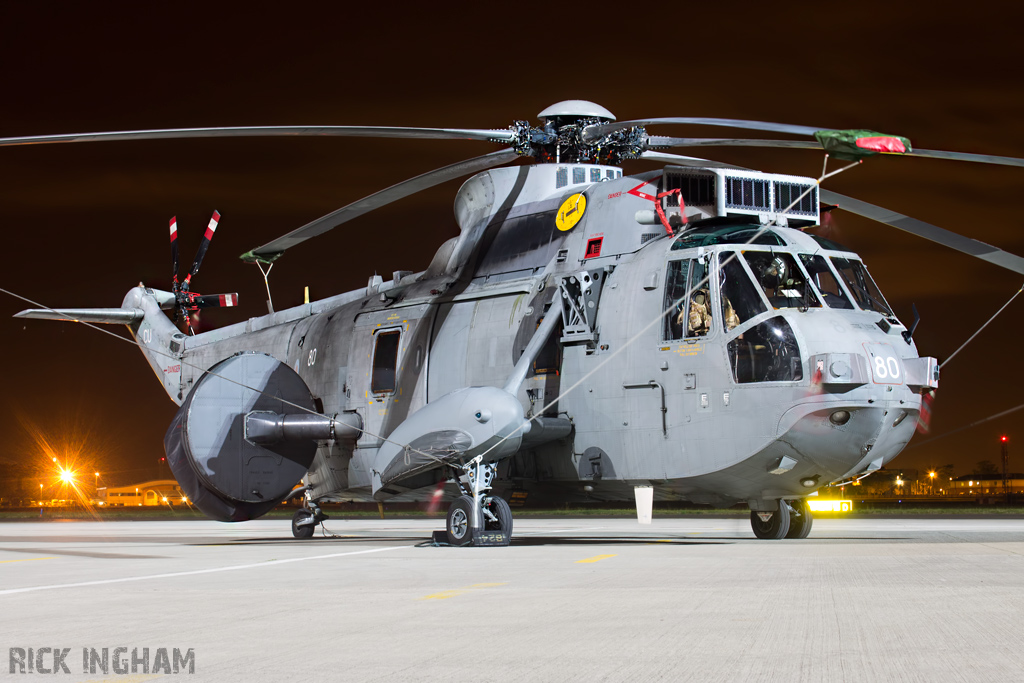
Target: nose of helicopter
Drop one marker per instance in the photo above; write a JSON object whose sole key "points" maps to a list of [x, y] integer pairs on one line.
{"points": [[844, 438]]}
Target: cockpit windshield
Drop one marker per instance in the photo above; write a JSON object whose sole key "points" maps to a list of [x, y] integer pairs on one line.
{"points": [[781, 279], [825, 281], [860, 284]]}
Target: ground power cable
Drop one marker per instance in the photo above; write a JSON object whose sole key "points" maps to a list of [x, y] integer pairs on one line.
{"points": [[971, 338]]}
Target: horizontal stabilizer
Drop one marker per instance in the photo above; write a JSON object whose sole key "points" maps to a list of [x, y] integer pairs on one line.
{"points": [[113, 316]]}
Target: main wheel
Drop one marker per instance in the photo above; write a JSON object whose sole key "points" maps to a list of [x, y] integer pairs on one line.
{"points": [[500, 509], [303, 530], [459, 524], [801, 520], [777, 525]]}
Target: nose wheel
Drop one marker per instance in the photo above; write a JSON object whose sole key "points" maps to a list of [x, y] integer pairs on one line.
{"points": [[791, 519], [477, 518], [800, 520], [771, 525]]}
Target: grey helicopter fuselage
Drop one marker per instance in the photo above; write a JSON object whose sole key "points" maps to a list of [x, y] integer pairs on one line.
{"points": [[738, 360]]}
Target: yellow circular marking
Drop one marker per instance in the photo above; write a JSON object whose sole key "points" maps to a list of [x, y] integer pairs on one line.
{"points": [[571, 211]]}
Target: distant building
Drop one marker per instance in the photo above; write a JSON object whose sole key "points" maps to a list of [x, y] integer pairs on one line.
{"points": [[146, 494], [986, 484]]}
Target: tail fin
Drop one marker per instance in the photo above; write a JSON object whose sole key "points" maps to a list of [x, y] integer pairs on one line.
{"points": [[143, 312]]}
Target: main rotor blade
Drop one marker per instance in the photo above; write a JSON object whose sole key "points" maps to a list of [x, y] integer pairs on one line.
{"points": [[679, 160], [986, 252], [272, 250], [964, 156], [664, 141], [595, 131], [268, 131]]}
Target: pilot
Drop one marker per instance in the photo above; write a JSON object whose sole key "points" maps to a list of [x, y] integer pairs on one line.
{"points": [[729, 316], [700, 314]]}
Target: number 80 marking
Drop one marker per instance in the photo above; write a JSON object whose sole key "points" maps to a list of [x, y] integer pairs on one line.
{"points": [[886, 367]]}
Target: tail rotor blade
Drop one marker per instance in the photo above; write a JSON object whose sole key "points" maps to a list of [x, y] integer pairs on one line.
{"points": [[203, 246], [174, 252], [216, 301]]}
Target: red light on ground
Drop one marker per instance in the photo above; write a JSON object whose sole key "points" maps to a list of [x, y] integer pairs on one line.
{"points": [[1003, 439]]}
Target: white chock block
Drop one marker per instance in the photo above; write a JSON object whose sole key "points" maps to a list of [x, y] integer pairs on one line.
{"points": [[644, 503]]}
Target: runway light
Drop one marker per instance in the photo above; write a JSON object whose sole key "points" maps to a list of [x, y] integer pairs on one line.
{"points": [[830, 505], [67, 476]]}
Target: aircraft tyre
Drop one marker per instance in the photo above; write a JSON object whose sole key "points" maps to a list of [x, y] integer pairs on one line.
{"points": [[775, 528], [306, 530], [801, 520], [499, 507], [459, 523]]}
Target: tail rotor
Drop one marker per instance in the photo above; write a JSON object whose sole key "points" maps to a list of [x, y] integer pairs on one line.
{"points": [[186, 301]]}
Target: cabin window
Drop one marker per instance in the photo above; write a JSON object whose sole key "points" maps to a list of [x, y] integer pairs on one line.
{"points": [[826, 282], [863, 288], [740, 300], [579, 175], [595, 175], [385, 362], [688, 298], [781, 279], [766, 353]]}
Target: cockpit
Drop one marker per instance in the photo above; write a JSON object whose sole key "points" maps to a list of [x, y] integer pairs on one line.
{"points": [[751, 273]]}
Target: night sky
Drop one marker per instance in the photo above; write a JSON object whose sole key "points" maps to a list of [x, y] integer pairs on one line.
{"points": [[83, 223]]}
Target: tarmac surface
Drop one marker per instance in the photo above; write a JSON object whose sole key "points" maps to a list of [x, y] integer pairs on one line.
{"points": [[690, 599]]}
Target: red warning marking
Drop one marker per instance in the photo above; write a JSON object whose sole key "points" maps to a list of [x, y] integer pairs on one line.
{"points": [[885, 145], [593, 247], [643, 195]]}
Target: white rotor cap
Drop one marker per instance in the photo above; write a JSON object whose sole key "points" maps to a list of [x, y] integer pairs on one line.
{"points": [[576, 109]]}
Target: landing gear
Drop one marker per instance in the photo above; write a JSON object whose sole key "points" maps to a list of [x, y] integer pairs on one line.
{"points": [[459, 524], [771, 525], [305, 521], [476, 518], [800, 520], [502, 513], [303, 524]]}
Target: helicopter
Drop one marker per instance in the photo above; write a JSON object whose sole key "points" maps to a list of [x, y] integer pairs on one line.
{"points": [[677, 334]]}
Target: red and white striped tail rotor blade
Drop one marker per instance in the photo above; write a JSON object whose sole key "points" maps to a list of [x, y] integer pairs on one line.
{"points": [[203, 246], [216, 301], [174, 251]]}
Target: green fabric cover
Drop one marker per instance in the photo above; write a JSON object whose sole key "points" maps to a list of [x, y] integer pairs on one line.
{"points": [[842, 144]]}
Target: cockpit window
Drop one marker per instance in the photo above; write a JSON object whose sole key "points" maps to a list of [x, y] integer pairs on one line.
{"points": [[863, 288], [825, 281], [710, 235], [766, 353], [782, 281], [688, 295], [740, 300]]}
